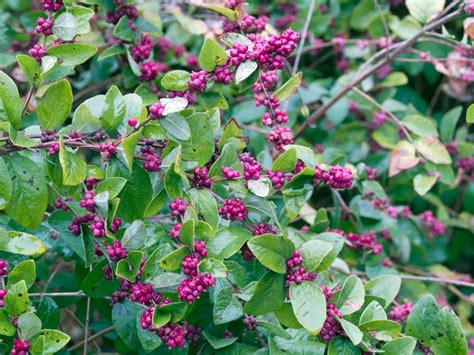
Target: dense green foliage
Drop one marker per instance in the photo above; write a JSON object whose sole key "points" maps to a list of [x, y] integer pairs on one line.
{"points": [[226, 177]]}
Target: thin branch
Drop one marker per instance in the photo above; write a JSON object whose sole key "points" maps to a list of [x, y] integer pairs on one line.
{"points": [[307, 22], [28, 98], [389, 114], [86, 325], [382, 17], [401, 47], [57, 294], [92, 337], [437, 279]]}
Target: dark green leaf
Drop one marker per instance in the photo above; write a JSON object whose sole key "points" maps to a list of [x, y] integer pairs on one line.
{"points": [[26, 271], [269, 295], [211, 55], [272, 251], [309, 305]]}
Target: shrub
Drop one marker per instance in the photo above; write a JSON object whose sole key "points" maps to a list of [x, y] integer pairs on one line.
{"points": [[219, 178]]}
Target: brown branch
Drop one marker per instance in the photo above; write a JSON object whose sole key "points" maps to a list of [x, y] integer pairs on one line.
{"points": [[401, 47], [91, 338]]}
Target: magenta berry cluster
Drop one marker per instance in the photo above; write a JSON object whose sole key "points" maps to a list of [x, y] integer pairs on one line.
{"points": [[88, 201], [178, 207], [191, 288], [143, 49], [45, 26], [336, 177], [201, 177], [156, 110], [3, 293], [115, 225], [97, 227], [174, 233], [434, 225], [151, 69], [108, 150], [281, 136], [366, 241], [252, 168], [4, 267], [331, 326], [233, 209], [144, 294], [400, 313], [278, 178], [192, 333], [37, 52], [20, 347], [264, 228], [250, 322], [295, 273], [229, 173], [198, 80], [151, 158], [173, 335], [116, 251], [52, 5]]}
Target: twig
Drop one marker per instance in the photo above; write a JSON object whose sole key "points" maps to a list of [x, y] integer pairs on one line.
{"points": [[28, 98], [389, 114], [86, 325], [401, 47], [57, 294], [92, 337], [437, 279], [382, 17], [307, 22], [45, 288]]}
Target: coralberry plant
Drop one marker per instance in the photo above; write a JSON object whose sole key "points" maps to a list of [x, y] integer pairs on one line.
{"points": [[233, 177]]}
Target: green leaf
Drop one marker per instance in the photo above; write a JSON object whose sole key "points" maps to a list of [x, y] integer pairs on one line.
{"points": [[218, 343], [214, 267], [269, 295], [112, 185], [421, 319], [227, 242], [400, 346], [307, 155], [337, 242], [173, 182], [201, 147], [470, 114], [289, 88], [74, 167], [340, 345], [135, 235], [149, 340], [244, 70], [30, 68], [6, 326], [173, 105], [160, 318], [286, 161], [5, 185], [449, 122], [25, 270], [314, 252], [362, 15], [226, 307], [433, 150], [211, 55], [65, 26], [29, 198], [128, 145], [176, 126], [172, 261], [186, 233], [272, 251], [123, 31], [383, 330], [128, 268], [229, 157], [423, 10], [423, 183], [17, 301], [11, 105], [72, 54], [29, 325], [22, 243], [54, 340], [114, 110], [447, 335], [55, 105], [422, 126], [309, 305], [384, 287], [351, 296], [176, 80], [86, 117], [124, 318], [111, 52], [352, 331], [82, 15], [374, 311], [394, 79], [206, 206], [231, 133]]}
